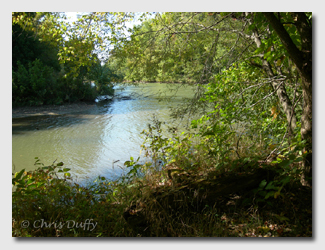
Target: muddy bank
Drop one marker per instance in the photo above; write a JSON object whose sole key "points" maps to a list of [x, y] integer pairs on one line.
{"points": [[50, 109]]}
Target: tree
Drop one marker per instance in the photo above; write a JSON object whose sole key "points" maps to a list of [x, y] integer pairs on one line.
{"points": [[61, 54], [259, 45], [103, 78], [243, 64], [277, 86], [303, 60], [34, 62], [180, 47]]}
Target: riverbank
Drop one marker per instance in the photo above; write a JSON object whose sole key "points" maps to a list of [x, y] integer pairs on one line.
{"points": [[205, 203], [164, 82], [20, 112]]}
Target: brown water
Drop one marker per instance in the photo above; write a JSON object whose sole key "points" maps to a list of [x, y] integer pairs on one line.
{"points": [[99, 140]]}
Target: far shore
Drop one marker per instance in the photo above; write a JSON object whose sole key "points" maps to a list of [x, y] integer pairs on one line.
{"points": [[20, 112]]}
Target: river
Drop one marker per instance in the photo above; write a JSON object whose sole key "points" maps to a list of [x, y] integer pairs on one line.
{"points": [[96, 141]]}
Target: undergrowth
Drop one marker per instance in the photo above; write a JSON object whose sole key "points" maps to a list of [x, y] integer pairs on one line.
{"points": [[186, 191], [46, 202]]}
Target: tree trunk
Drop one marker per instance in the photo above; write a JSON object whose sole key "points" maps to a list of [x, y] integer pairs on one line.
{"points": [[303, 60], [278, 87]]}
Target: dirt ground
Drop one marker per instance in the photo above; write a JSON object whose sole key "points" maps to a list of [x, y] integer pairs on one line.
{"points": [[50, 109]]}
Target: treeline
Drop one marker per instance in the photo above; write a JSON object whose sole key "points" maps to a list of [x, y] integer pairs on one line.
{"points": [[253, 70], [180, 48], [40, 76]]}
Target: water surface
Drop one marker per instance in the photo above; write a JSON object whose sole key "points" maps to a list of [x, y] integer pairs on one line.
{"points": [[96, 141]]}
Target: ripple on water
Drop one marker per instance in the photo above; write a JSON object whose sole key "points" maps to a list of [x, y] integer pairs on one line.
{"points": [[88, 142]]}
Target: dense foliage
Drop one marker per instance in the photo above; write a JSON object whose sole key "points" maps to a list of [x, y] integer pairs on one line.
{"points": [[47, 68], [192, 203], [248, 72], [245, 168]]}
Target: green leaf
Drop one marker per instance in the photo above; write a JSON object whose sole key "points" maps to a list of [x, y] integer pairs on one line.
{"points": [[285, 163], [127, 163], [298, 159], [32, 186], [263, 183], [30, 181], [271, 193], [40, 184], [18, 176], [270, 186]]}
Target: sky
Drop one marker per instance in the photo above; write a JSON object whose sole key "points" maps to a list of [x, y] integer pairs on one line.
{"points": [[73, 16]]}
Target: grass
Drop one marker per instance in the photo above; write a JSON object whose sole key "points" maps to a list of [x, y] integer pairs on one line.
{"points": [[197, 202]]}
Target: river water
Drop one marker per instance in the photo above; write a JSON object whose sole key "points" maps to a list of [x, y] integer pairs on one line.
{"points": [[96, 141]]}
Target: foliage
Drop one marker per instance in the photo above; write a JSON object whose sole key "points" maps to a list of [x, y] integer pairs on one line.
{"points": [[103, 78], [27, 48], [34, 85], [52, 204], [252, 84], [47, 202], [53, 63], [250, 134], [177, 47]]}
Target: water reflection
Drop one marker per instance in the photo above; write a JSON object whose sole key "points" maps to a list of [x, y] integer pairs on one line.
{"points": [[96, 141]]}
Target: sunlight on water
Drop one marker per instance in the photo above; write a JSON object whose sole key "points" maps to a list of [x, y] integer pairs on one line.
{"points": [[94, 142]]}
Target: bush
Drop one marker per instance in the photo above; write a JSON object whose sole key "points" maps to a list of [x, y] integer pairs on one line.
{"points": [[34, 85], [46, 202]]}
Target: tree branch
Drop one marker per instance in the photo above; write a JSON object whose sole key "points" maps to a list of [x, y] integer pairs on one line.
{"points": [[285, 38]]}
